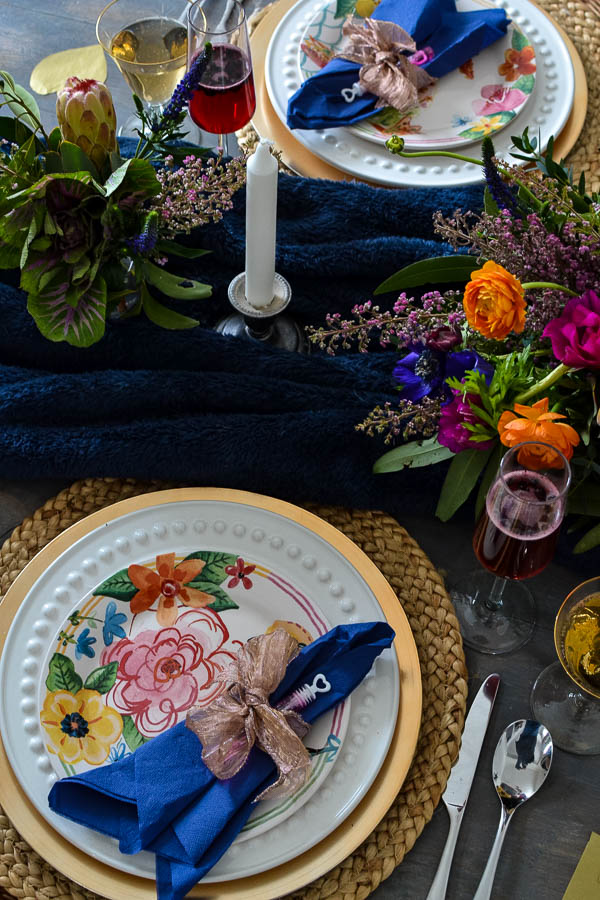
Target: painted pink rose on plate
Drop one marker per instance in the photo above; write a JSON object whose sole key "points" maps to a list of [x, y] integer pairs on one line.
{"points": [[163, 673], [498, 98]]}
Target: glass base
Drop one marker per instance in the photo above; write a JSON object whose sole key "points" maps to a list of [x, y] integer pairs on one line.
{"points": [[571, 716], [488, 625]]}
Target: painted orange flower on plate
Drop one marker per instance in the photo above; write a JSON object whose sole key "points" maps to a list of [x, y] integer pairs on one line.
{"points": [[535, 423], [79, 726], [517, 63], [169, 585], [494, 302]]}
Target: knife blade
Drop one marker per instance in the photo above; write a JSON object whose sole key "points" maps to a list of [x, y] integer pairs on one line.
{"points": [[461, 777]]}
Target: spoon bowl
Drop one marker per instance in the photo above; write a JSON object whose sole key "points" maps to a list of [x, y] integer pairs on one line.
{"points": [[521, 764]]}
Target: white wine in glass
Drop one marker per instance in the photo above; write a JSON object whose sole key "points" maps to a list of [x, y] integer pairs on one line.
{"points": [[566, 695], [148, 43]]}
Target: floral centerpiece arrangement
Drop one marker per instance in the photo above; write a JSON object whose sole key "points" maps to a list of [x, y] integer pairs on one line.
{"points": [[90, 230], [515, 356]]}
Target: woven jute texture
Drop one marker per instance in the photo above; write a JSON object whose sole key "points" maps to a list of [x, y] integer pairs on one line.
{"points": [[583, 27], [421, 592]]}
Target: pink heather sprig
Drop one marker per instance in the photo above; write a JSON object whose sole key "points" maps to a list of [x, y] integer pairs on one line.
{"points": [[197, 192], [405, 419], [409, 322]]}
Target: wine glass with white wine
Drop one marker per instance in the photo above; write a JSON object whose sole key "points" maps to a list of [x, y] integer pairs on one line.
{"points": [[566, 695], [148, 42]]}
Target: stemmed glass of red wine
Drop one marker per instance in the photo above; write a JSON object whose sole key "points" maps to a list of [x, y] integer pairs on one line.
{"points": [[514, 539], [225, 99]]}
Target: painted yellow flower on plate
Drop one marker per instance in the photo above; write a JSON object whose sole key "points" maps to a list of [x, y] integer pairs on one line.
{"points": [[487, 125], [79, 726]]}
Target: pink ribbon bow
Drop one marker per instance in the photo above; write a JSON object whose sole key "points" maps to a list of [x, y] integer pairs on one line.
{"points": [[241, 716], [380, 48]]}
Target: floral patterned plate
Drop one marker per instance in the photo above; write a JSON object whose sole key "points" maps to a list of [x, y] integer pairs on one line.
{"points": [[480, 98], [125, 631]]}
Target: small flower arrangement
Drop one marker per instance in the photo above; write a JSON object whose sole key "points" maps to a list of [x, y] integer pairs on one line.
{"points": [[515, 356], [91, 232]]}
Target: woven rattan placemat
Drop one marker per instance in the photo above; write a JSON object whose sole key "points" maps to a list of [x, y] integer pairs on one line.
{"points": [[583, 27], [23, 873]]}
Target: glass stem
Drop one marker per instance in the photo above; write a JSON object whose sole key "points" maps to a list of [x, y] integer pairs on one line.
{"points": [[494, 601], [223, 144]]}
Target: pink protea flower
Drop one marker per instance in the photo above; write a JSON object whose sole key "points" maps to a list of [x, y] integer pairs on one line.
{"points": [[163, 673], [86, 116], [498, 98], [575, 334]]}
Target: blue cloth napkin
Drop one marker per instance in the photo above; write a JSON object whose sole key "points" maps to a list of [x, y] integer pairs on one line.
{"points": [[453, 36], [162, 798]]}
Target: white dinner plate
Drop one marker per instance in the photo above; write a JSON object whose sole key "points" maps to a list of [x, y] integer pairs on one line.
{"points": [[482, 97], [75, 623], [545, 113]]}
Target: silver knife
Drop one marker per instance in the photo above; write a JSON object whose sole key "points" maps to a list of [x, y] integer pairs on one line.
{"points": [[461, 777]]}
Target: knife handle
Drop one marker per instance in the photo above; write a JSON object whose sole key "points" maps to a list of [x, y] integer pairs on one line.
{"points": [[437, 890]]}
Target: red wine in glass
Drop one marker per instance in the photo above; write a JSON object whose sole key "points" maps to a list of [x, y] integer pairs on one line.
{"points": [[225, 100], [517, 532]]}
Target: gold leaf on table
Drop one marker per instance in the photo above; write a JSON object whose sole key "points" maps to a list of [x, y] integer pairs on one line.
{"points": [[51, 72]]}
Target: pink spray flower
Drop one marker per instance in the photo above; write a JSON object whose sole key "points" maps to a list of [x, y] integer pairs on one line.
{"points": [[575, 334]]}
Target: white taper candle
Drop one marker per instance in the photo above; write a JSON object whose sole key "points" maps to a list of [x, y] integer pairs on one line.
{"points": [[261, 225]]}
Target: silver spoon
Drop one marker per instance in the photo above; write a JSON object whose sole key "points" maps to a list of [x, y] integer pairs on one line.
{"points": [[521, 763]]}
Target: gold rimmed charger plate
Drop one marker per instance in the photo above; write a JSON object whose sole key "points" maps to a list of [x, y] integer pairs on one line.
{"points": [[73, 862], [298, 158]]}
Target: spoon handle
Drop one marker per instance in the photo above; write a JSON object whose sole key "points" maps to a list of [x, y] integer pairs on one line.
{"points": [[487, 879]]}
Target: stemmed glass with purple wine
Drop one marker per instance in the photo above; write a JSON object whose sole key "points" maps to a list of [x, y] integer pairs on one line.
{"points": [[514, 539], [225, 99]]}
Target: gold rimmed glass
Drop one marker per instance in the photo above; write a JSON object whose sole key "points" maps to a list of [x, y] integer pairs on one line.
{"points": [[148, 43], [566, 695]]}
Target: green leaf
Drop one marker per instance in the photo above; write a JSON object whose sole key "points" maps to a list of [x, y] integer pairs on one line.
{"points": [[519, 40], [344, 8], [132, 737], [81, 324], [489, 204], [15, 131], [584, 500], [488, 477], [62, 675], [160, 315], [460, 480], [119, 586], [175, 249], [525, 83], [214, 567], [412, 455], [53, 162], [175, 286], [75, 160], [9, 256], [135, 176], [437, 270], [102, 678], [54, 139], [590, 540], [222, 600], [26, 102]]}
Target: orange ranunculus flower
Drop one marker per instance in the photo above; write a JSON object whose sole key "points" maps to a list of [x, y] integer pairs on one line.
{"points": [[494, 302], [517, 62], [535, 423]]}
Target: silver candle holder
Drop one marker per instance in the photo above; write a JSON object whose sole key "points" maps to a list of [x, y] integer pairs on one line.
{"points": [[268, 323]]}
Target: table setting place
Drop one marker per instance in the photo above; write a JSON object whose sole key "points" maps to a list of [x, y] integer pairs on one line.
{"points": [[288, 291]]}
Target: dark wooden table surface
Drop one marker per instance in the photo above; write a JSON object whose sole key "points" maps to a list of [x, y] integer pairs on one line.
{"points": [[549, 834]]}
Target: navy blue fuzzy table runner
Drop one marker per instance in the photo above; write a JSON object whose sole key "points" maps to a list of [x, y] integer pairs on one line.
{"points": [[199, 407]]}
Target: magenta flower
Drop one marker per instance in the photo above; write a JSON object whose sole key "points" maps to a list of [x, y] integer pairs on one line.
{"points": [[498, 98], [575, 334], [455, 415]]}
